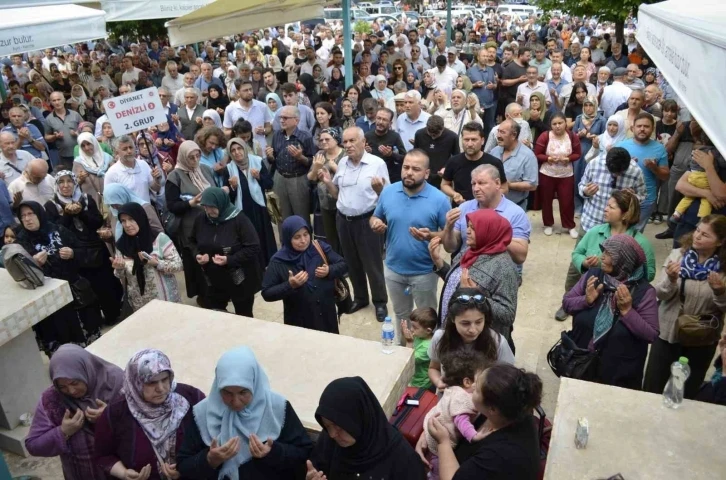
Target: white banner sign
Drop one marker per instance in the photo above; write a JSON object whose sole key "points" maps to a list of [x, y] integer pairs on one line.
{"points": [[122, 10], [135, 111]]}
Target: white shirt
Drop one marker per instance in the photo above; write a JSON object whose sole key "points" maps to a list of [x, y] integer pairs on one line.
{"points": [[137, 179], [526, 91], [258, 115], [130, 77], [48, 61], [20, 162], [445, 79], [458, 67], [407, 128], [173, 84], [307, 67], [355, 194], [566, 93], [41, 193], [566, 73], [613, 96]]}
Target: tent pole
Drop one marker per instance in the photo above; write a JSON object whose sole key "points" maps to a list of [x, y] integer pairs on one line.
{"points": [[347, 44], [448, 23], [3, 93]]}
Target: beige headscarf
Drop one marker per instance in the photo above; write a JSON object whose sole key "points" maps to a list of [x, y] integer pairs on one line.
{"points": [[182, 163]]}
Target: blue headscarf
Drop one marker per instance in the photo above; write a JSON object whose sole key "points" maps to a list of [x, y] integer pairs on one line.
{"points": [[264, 416], [117, 194], [308, 260], [275, 97]]}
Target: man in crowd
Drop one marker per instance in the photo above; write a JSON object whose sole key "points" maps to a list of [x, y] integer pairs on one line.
{"points": [[173, 80], [386, 144], [61, 128], [444, 75], [579, 75], [558, 56], [615, 94], [270, 85], [12, 161], [27, 136], [540, 61], [520, 163], [99, 79], [134, 174], [188, 80], [130, 75], [631, 79], [413, 120], [247, 108], [484, 85], [408, 213], [512, 112], [456, 181], [206, 79], [452, 57], [33, 185], [291, 152], [652, 159], [190, 115], [617, 60], [367, 121], [440, 144], [514, 74], [356, 203], [290, 98], [532, 85]]}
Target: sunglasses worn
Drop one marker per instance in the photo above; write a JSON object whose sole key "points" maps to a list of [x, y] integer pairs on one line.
{"points": [[477, 299]]}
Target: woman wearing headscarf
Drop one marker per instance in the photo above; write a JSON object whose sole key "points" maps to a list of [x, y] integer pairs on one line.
{"points": [[90, 166], [210, 118], [225, 246], [381, 92], [88, 127], [588, 125], [116, 195], [308, 83], [337, 80], [256, 81], [613, 134], [357, 441], [216, 100], [148, 152], [248, 178], [691, 283], [614, 310], [483, 263], [79, 102], [537, 115], [184, 188], [145, 263], [140, 435], [304, 280], [83, 385], [211, 141], [53, 248], [167, 140], [243, 430], [232, 76], [78, 212]]}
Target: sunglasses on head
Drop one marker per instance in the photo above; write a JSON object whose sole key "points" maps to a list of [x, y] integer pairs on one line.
{"points": [[477, 299]]}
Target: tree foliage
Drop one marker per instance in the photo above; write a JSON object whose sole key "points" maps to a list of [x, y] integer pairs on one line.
{"points": [[137, 28]]}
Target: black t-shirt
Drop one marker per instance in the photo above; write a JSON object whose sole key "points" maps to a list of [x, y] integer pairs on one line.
{"points": [[439, 150], [573, 110], [500, 72], [459, 168], [509, 453], [664, 132], [512, 70]]}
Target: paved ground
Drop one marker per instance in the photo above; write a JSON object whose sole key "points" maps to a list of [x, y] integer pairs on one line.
{"points": [[534, 334]]}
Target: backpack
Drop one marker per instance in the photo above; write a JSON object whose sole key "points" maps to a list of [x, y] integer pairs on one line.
{"points": [[22, 267]]}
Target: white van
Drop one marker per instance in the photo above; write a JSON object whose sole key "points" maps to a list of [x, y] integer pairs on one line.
{"points": [[523, 11], [382, 9], [334, 14]]}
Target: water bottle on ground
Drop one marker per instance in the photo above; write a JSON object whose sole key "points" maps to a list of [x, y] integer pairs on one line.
{"points": [[673, 392], [387, 335]]}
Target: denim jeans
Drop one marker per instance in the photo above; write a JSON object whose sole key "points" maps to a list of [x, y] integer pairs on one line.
{"points": [[423, 293], [645, 210], [489, 118]]}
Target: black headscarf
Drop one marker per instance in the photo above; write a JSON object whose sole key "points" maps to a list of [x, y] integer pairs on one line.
{"points": [[39, 236], [143, 241], [350, 404], [308, 82], [214, 103]]}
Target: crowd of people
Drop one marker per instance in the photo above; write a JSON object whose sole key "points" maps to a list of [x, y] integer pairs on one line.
{"points": [[429, 146]]}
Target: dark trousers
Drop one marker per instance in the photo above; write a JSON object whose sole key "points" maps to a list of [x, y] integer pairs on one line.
{"points": [[565, 188], [363, 253], [489, 118], [219, 296], [331, 229], [663, 354]]}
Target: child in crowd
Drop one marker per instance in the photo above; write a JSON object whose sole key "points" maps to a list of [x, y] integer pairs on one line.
{"points": [[664, 130], [455, 409], [418, 337]]}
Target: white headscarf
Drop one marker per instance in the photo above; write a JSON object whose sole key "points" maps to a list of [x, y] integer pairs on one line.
{"points": [[80, 100], [96, 164], [606, 140], [214, 116]]}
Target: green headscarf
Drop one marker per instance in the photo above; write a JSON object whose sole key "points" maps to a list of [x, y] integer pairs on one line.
{"points": [[542, 108], [216, 197]]}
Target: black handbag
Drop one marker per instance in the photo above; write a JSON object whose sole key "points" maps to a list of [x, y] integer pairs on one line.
{"points": [[343, 299], [83, 294], [171, 223], [568, 360]]}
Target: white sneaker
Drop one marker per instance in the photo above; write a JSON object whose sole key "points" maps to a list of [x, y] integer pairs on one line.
{"points": [[574, 234], [548, 231]]}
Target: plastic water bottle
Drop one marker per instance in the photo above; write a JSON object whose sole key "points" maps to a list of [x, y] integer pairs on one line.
{"points": [[407, 290], [387, 335], [673, 392]]}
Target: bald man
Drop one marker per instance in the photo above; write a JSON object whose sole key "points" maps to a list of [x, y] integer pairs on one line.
{"points": [[34, 184], [12, 160]]}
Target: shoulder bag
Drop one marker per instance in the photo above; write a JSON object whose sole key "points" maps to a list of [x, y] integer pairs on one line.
{"points": [[696, 330], [343, 299]]}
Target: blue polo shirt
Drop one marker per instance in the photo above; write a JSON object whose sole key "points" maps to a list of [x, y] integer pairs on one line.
{"points": [[427, 209], [652, 149], [521, 166]]}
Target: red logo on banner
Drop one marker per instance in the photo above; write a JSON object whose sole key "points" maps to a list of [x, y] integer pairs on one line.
{"points": [[152, 105], [111, 104], [151, 94]]}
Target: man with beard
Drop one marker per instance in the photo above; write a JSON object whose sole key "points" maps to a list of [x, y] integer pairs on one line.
{"points": [[515, 73], [247, 108], [385, 143], [440, 144], [457, 176], [409, 213], [520, 163], [135, 175]]}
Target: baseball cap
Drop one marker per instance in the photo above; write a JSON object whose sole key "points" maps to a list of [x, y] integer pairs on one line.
{"points": [[452, 50], [400, 97]]}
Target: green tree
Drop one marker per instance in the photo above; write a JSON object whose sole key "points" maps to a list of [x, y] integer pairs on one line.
{"points": [[137, 28], [610, 10]]}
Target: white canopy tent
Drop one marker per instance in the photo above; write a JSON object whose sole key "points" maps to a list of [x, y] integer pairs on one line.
{"points": [[227, 17], [120, 10], [687, 41], [38, 27]]}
